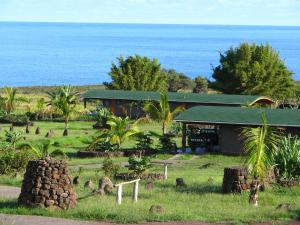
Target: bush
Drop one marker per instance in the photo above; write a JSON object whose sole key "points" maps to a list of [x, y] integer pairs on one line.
{"points": [[102, 144], [144, 141], [16, 120], [110, 168], [167, 144], [102, 115], [139, 164], [287, 157]]}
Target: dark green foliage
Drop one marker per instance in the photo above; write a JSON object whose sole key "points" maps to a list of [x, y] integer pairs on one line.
{"points": [[255, 70], [20, 120], [137, 73], [144, 141], [178, 81], [176, 129], [166, 143], [287, 157], [139, 164], [110, 168], [201, 85], [102, 144]]}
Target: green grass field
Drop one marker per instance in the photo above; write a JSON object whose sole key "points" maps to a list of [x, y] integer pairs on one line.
{"points": [[200, 200]]}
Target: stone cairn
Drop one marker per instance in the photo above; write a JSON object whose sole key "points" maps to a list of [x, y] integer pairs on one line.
{"points": [[235, 180], [47, 184]]}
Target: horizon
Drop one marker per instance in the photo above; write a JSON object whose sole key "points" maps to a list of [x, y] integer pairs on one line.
{"points": [[167, 24]]}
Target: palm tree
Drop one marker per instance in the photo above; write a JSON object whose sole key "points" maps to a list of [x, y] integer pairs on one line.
{"points": [[259, 144], [9, 99], [120, 130], [65, 100], [43, 150], [161, 111]]}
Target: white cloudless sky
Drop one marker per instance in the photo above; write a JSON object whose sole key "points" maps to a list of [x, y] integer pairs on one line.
{"points": [[237, 12]]}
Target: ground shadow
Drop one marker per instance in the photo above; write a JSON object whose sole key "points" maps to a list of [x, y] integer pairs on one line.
{"points": [[8, 204]]}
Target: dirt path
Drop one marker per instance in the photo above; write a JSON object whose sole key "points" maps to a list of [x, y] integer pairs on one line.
{"points": [[38, 220], [9, 192]]}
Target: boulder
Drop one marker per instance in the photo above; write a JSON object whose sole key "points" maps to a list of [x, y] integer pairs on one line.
{"points": [[156, 209]]}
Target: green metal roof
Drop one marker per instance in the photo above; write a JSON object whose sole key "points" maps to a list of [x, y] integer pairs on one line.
{"points": [[172, 96], [240, 115]]}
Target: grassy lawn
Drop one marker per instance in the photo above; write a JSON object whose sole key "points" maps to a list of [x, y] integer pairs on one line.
{"points": [[200, 200]]}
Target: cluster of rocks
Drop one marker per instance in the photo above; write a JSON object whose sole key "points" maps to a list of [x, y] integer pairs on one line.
{"points": [[47, 184], [235, 180]]}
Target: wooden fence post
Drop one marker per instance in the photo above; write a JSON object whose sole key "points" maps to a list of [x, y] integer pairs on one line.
{"points": [[135, 191], [119, 194], [165, 171]]}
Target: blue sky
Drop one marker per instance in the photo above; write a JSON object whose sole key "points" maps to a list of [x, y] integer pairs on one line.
{"points": [[244, 12]]}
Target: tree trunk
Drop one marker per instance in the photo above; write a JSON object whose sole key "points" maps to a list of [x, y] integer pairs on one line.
{"points": [[254, 188], [66, 132], [163, 128]]}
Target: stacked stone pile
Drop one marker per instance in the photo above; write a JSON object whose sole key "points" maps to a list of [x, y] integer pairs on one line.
{"points": [[235, 180], [47, 184]]}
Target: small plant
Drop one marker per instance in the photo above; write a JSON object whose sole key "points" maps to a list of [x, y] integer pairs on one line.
{"points": [[110, 168], [102, 115], [144, 141], [139, 164], [13, 137], [176, 129], [287, 157], [167, 144], [102, 144]]}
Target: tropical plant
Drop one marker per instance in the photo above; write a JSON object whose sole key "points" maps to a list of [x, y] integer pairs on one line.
{"points": [[65, 100], [102, 144], [139, 164], [137, 73], [255, 70], [167, 144], [287, 157], [120, 130], [109, 167], [102, 115], [161, 111], [9, 99], [13, 137], [42, 150], [144, 141], [40, 108], [259, 145]]}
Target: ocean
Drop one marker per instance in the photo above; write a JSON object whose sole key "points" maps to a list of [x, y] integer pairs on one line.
{"points": [[78, 54]]}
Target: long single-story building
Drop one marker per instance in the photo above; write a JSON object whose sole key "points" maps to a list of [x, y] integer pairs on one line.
{"points": [[229, 121], [130, 103]]}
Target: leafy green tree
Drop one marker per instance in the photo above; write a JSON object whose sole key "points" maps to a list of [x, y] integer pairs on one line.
{"points": [[255, 70], [201, 85], [120, 130], [178, 81], [65, 100], [9, 99], [259, 144], [161, 111], [137, 73]]}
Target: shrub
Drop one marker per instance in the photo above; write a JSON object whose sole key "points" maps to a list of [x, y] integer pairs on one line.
{"points": [[102, 115], [17, 120], [144, 141], [139, 164], [102, 144], [167, 144], [110, 168], [287, 157]]}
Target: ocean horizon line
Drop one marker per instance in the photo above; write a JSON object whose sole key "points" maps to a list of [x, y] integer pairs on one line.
{"points": [[151, 24]]}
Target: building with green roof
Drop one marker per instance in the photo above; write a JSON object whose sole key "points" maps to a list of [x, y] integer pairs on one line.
{"points": [[229, 121], [122, 102]]}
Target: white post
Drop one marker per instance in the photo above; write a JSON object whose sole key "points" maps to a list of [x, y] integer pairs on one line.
{"points": [[119, 194], [135, 191], [165, 171]]}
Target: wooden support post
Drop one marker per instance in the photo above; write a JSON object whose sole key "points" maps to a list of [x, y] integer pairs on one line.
{"points": [[183, 137], [135, 191], [165, 171], [84, 102], [119, 194]]}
